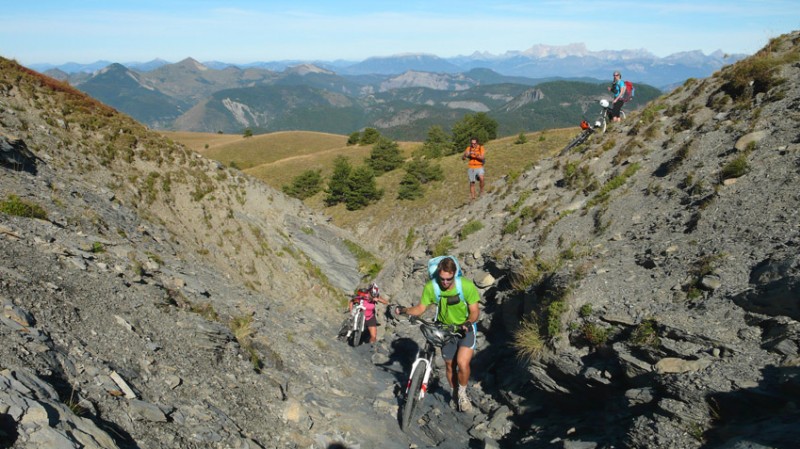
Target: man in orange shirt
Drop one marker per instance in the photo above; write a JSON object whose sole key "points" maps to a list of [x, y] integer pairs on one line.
{"points": [[476, 155]]}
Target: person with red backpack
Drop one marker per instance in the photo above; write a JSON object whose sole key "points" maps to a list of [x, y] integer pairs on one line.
{"points": [[369, 296], [617, 89], [456, 299]]}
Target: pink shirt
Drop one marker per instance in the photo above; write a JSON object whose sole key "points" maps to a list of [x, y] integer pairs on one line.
{"points": [[370, 306]]}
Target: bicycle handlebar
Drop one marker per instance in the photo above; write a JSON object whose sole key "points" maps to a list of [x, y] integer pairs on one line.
{"points": [[447, 329]]}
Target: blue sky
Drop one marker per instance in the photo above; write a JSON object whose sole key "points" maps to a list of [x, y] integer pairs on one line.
{"points": [[239, 31]]}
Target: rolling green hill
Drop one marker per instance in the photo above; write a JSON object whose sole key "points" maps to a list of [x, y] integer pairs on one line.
{"points": [[402, 114], [277, 158]]}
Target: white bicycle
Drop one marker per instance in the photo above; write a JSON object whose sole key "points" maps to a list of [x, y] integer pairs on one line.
{"points": [[599, 125], [353, 327], [435, 335]]}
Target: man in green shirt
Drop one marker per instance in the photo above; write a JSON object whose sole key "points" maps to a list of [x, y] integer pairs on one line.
{"points": [[457, 309]]}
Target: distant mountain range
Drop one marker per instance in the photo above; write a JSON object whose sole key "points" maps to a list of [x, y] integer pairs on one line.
{"points": [[401, 95], [539, 61]]}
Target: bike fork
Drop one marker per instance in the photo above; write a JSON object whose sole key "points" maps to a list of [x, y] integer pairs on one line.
{"points": [[428, 369]]}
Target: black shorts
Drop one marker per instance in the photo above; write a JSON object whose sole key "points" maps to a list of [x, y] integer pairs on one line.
{"points": [[615, 108], [372, 322], [449, 350]]}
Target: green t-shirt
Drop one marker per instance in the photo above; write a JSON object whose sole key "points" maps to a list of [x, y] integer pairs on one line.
{"points": [[457, 313]]}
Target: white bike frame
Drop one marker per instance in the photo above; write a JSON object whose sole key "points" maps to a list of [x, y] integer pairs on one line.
{"points": [[428, 361], [359, 314]]}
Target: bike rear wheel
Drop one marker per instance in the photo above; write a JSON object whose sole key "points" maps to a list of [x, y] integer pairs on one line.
{"points": [[412, 396], [606, 118]]}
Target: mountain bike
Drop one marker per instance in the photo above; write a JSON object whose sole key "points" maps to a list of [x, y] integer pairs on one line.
{"points": [[587, 130], [436, 335], [353, 326]]}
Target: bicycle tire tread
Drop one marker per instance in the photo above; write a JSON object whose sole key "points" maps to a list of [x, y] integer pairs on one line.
{"points": [[412, 396]]}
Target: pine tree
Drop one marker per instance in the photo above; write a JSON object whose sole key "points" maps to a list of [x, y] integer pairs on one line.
{"points": [[337, 184], [361, 189], [424, 171], [354, 138], [385, 156], [369, 136], [304, 185], [410, 188], [437, 144], [479, 125]]}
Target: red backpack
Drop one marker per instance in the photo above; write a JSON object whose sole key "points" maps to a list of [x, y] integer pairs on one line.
{"points": [[629, 90]]}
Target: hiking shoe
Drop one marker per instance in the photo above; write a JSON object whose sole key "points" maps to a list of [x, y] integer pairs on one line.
{"points": [[464, 404], [453, 404]]}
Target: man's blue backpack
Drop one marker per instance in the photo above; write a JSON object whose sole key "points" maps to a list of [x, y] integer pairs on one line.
{"points": [[433, 272]]}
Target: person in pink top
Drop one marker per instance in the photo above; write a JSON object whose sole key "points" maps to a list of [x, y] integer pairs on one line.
{"points": [[370, 296]]}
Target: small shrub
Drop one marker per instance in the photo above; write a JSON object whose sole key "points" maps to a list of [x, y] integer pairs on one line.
{"points": [[528, 340], [241, 327], [595, 335], [471, 227], [585, 310], [683, 123], [554, 312], [531, 272], [443, 246], [76, 405], [411, 237], [206, 310], [645, 334], [13, 205], [735, 168], [512, 226], [612, 184], [693, 293], [521, 138], [513, 208], [533, 214]]}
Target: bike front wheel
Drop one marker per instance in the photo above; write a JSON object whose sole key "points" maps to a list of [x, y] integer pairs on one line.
{"points": [[577, 141], [412, 396], [359, 329]]}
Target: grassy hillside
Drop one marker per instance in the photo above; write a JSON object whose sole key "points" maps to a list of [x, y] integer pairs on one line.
{"points": [[201, 142], [280, 172], [249, 152], [278, 157], [396, 220]]}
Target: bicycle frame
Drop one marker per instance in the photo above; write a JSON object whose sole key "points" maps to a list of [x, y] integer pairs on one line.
{"points": [[357, 323], [359, 316], [424, 356]]}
